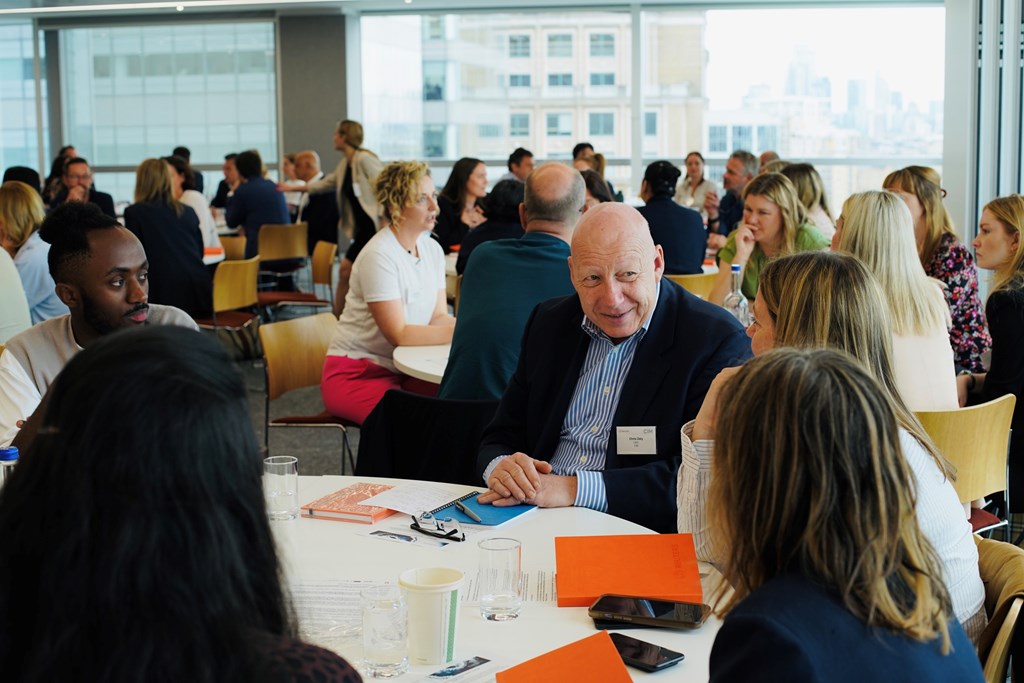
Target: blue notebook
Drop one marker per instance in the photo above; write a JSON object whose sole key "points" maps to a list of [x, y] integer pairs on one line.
{"points": [[488, 514]]}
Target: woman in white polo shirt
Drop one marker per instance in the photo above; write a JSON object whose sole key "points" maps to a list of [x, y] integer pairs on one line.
{"points": [[396, 298]]}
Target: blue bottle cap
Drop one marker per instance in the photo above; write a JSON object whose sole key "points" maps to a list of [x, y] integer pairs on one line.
{"points": [[9, 453], [735, 267]]}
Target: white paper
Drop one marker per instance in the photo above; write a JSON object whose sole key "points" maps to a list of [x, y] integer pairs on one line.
{"points": [[415, 497]]}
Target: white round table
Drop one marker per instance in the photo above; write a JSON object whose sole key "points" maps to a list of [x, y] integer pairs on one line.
{"points": [[423, 362], [315, 551]]}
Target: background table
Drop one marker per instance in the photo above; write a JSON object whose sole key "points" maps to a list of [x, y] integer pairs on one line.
{"points": [[317, 550], [423, 362]]}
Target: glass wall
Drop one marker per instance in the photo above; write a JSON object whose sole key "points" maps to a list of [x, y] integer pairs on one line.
{"points": [[19, 143], [799, 82], [135, 92]]}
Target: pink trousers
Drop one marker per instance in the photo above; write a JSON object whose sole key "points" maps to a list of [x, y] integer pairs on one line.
{"points": [[351, 387]]}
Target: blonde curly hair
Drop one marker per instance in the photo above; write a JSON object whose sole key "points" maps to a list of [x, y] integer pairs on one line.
{"points": [[397, 186]]}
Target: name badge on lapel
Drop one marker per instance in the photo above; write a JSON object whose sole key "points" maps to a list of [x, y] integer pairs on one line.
{"points": [[636, 441]]}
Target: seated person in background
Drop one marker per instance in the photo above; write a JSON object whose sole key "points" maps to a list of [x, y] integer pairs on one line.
{"points": [[24, 174], [502, 220], [811, 191], [397, 298], [833, 578], [767, 157], [54, 184], [77, 180], [725, 214], [288, 178], [21, 214], [596, 189], [505, 281], [623, 362], [101, 522], [694, 188], [185, 153], [318, 211], [184, 191], [102, 275], [169, 232], [679, 231], [829, 300], [256, 201], [582, 150], [461, 202], [520, 163], [876, 228], [773, 225], [14, 316], [228, 185], [597, 164]]}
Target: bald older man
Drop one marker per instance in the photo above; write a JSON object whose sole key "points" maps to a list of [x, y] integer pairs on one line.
{"points": [[320, 211], [606, 379]]}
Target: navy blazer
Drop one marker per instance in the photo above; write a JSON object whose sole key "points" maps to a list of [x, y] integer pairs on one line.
{"points": [[679, 231], [686, 345], [101, 199], [254, 204], [792, 630]]}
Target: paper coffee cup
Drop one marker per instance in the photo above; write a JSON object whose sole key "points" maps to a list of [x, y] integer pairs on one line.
{"points": [[432, 596]]}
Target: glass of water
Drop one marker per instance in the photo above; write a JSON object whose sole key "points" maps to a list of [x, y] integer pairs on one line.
{"points": [[385, 631], [281, 486], [499, 579]]}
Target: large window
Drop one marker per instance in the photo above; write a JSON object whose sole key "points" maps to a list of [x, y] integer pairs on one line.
{"points": [[135, 92], [602, 124], [560, 45], [19, 142]]}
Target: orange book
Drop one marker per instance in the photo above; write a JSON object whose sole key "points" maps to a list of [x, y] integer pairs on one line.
{"points": [[593, 659], [662, 566], [346, 505], [210, 251]]}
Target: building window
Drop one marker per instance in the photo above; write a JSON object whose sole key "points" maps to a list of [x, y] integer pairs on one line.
{"points": [[602, 79], [489, 130], [560, 45], [602, 45], [519, 46], [559, 80], [767, 137], [559, 125], [602, 123], [742, 137], [717, 139], [519, 80], [434, 141], [433, 81], [650, 123], [519, 125]]}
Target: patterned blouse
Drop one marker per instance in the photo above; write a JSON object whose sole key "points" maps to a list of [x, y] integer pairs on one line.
{"points": [[953, 265]]}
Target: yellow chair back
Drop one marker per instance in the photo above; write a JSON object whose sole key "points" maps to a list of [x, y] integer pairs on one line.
{"points": [[294, 351], [283, 241], [234, 247], [698, 285], [234, 284]]}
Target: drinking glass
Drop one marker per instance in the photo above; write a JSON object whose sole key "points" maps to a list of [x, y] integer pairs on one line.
{"points": [[499, 579], [281, 486], [385, 624]]}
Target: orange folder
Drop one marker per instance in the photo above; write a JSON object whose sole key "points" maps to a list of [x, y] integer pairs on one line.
{"points": [[593, 659], [660, 566]]}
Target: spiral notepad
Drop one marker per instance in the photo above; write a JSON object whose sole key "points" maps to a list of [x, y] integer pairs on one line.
{"points": [[488, 514]]}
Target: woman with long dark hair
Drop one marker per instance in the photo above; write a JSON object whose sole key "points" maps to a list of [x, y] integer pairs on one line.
{"points": [[136, 542], [460, 207]]}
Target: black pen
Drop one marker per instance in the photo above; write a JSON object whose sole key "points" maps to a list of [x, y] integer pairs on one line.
{"points": [[469, 513]]}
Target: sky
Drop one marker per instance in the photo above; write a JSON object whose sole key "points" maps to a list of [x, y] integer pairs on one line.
{"points": [[903, 46]]}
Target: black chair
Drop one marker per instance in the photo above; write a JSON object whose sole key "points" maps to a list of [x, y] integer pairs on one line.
{"points": [[410, 436]]}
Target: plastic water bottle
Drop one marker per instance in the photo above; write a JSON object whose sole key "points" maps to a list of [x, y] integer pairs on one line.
{"points": [[8, 459], [735, 302]]}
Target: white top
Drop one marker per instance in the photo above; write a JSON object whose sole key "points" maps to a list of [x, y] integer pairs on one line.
{"points": [[319, 553], [14, 316], [695, 199], [939, 514], [207, 226], [923, 366], [385, 271]]}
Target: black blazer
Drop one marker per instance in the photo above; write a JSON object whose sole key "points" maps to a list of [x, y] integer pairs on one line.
{"points": [[449, 229], [321, 213], [687, 343], [101, 199], [679, 231]]}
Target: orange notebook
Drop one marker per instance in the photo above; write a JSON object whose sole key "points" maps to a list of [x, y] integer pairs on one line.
{"points": [[593, 659], [660, 566], [346, 505]]}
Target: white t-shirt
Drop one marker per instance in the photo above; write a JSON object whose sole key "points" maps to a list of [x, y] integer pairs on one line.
{"points": [[923, 365], [207, 226], [385, 271]]}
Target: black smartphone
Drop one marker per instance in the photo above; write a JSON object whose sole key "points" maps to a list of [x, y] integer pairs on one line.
{"points": [[645, 656], [649, 612]]}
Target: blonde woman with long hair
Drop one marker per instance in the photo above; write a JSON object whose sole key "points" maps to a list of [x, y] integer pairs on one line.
{"points": [[946, 259], [1000, 247], [876, 227], [811, 190], [170, 234], [830, 300], [832, 577], [774, 224]]}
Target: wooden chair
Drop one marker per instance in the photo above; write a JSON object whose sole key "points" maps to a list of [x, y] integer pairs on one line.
{"points": [[293, 354], [283, 242], [234, 247], [1002, 571], [324, 255], [698, 285], [234, 303], [975, 440]]}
